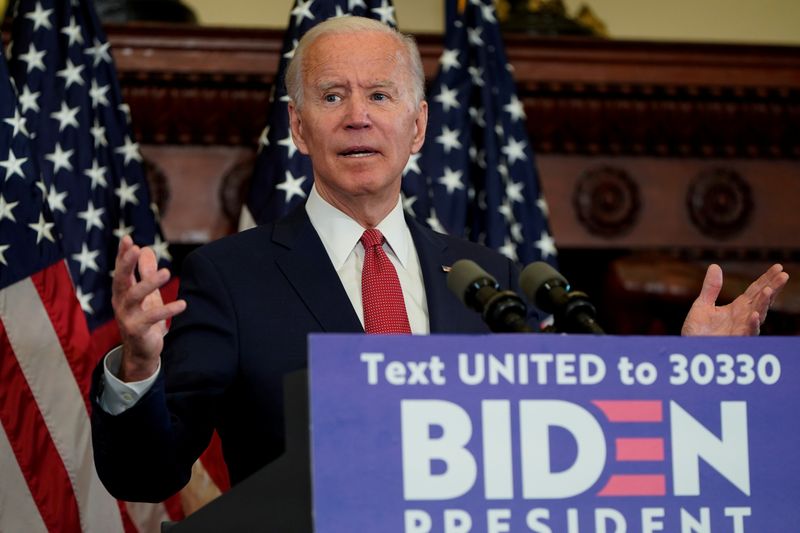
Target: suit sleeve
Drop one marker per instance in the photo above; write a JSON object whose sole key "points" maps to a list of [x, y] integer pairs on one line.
{"points": [[146, 453]]}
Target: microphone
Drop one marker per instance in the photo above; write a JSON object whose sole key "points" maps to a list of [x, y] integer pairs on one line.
{"points": [[550, 291], [503, 311]]}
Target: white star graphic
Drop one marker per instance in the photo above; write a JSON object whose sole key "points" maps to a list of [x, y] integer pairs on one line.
{"points": [[302, 10], [451, 180], [412, 165], [56, 199], [98, 94], [130, 150], [516, 233], [541, 203], [509, 249], [40, 17], [351, 4], [448, 98], [126, 110], [507, 211], [127, 193], [66, 116], [97, 174], [433, 223], [514, 150], [474, 36], [161, 249], [487, 10], [292, 186], [7, 209], [60, 158], [449, 139], [99, 134], [449, 59], [477, 115], [73, 31], [477, 76], [99, 52], [514, 191], [385, 12], [13, 164], [43, 229], [92, 216], [289, 144], [29, 100], [3, 248], [122, 230], [33, 58], [84, 300], [546, 245], [17, 122], [408, 204], [263, 140], [87, 258], [71, 74], [515, 108], [290, 53]]}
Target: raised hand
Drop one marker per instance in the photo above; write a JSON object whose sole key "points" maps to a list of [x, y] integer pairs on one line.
{"points": [[744, 315], [140, 312]]}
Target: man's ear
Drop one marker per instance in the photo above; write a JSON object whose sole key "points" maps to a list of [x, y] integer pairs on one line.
{"points": [[420, 126], [296, 125]]}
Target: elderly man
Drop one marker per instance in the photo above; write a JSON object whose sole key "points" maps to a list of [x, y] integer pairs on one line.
{"points": [[248, 301]]}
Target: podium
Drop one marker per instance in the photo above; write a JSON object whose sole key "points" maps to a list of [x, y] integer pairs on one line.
{"points": [[277, 498], [493, 433]]}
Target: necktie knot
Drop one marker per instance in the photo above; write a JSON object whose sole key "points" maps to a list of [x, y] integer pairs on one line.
{"points": [[371, 237]]}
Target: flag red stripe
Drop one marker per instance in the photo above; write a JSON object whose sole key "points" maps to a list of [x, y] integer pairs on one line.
{"points": [[54, 286], [34, 449]]}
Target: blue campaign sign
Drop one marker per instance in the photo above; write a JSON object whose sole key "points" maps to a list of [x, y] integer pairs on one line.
{"points": [[554, 434]]}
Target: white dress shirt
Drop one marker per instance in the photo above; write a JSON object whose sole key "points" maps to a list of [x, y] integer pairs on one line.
{"points": [[340, 236]]}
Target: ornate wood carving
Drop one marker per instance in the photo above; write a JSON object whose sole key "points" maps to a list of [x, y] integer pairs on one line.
{"points": [[607, 201], [720, 202]]}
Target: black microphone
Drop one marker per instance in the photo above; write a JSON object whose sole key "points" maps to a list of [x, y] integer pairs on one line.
{"points": [[550, 291], [503, 311]]}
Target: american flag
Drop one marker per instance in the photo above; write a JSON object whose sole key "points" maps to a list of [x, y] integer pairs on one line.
{"points": [[83, 163], [476, 175], [283, 176]]}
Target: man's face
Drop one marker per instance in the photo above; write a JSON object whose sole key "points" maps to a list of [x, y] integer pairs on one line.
{"points": [[359, 121]]}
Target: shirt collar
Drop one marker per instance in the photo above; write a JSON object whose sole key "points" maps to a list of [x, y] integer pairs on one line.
{"points": [[340, 234]]}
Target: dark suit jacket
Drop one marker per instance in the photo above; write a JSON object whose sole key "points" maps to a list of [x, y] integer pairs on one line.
{"points": [[252, 299]]}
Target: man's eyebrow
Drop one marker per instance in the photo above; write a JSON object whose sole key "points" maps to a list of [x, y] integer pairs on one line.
{"points": [[326, 85]]}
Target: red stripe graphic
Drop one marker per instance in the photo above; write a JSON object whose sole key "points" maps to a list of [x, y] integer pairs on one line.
{"points": [[631, 410], [54, 286], [640, 449], [34, 449], [635, 485]]}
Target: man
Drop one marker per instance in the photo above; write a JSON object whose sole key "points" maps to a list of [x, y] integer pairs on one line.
{"points": [[248, 301]]}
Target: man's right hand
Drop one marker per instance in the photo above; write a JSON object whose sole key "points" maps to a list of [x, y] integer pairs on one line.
{"points": [[140, 312]]}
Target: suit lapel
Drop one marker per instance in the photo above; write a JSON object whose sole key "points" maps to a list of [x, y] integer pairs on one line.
{"points": [[433, 256], [309, 271]]}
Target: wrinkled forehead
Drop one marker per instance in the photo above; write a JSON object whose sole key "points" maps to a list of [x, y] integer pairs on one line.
{"points": [[372, 57]]}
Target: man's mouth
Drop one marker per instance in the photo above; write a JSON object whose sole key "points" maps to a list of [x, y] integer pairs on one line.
{"points": [[358, 151]]}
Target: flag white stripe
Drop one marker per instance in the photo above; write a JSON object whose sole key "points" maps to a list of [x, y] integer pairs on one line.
{"points": [[147, 517], [59, 399], [18, 511]]}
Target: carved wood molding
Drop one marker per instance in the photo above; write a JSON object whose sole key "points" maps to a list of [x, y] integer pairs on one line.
{"points": [[198, 85]]}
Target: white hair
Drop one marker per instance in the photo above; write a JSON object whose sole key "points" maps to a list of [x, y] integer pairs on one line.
{"points": [[349, 24]]}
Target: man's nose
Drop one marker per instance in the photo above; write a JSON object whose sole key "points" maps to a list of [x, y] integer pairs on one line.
{"points": [[357, 114]]}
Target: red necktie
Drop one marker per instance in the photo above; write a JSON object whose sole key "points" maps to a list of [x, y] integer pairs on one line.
{"points": [[381, 294]]}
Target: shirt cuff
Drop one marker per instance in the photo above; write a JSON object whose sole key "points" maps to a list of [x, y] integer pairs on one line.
{"points": [[119, 396]]}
